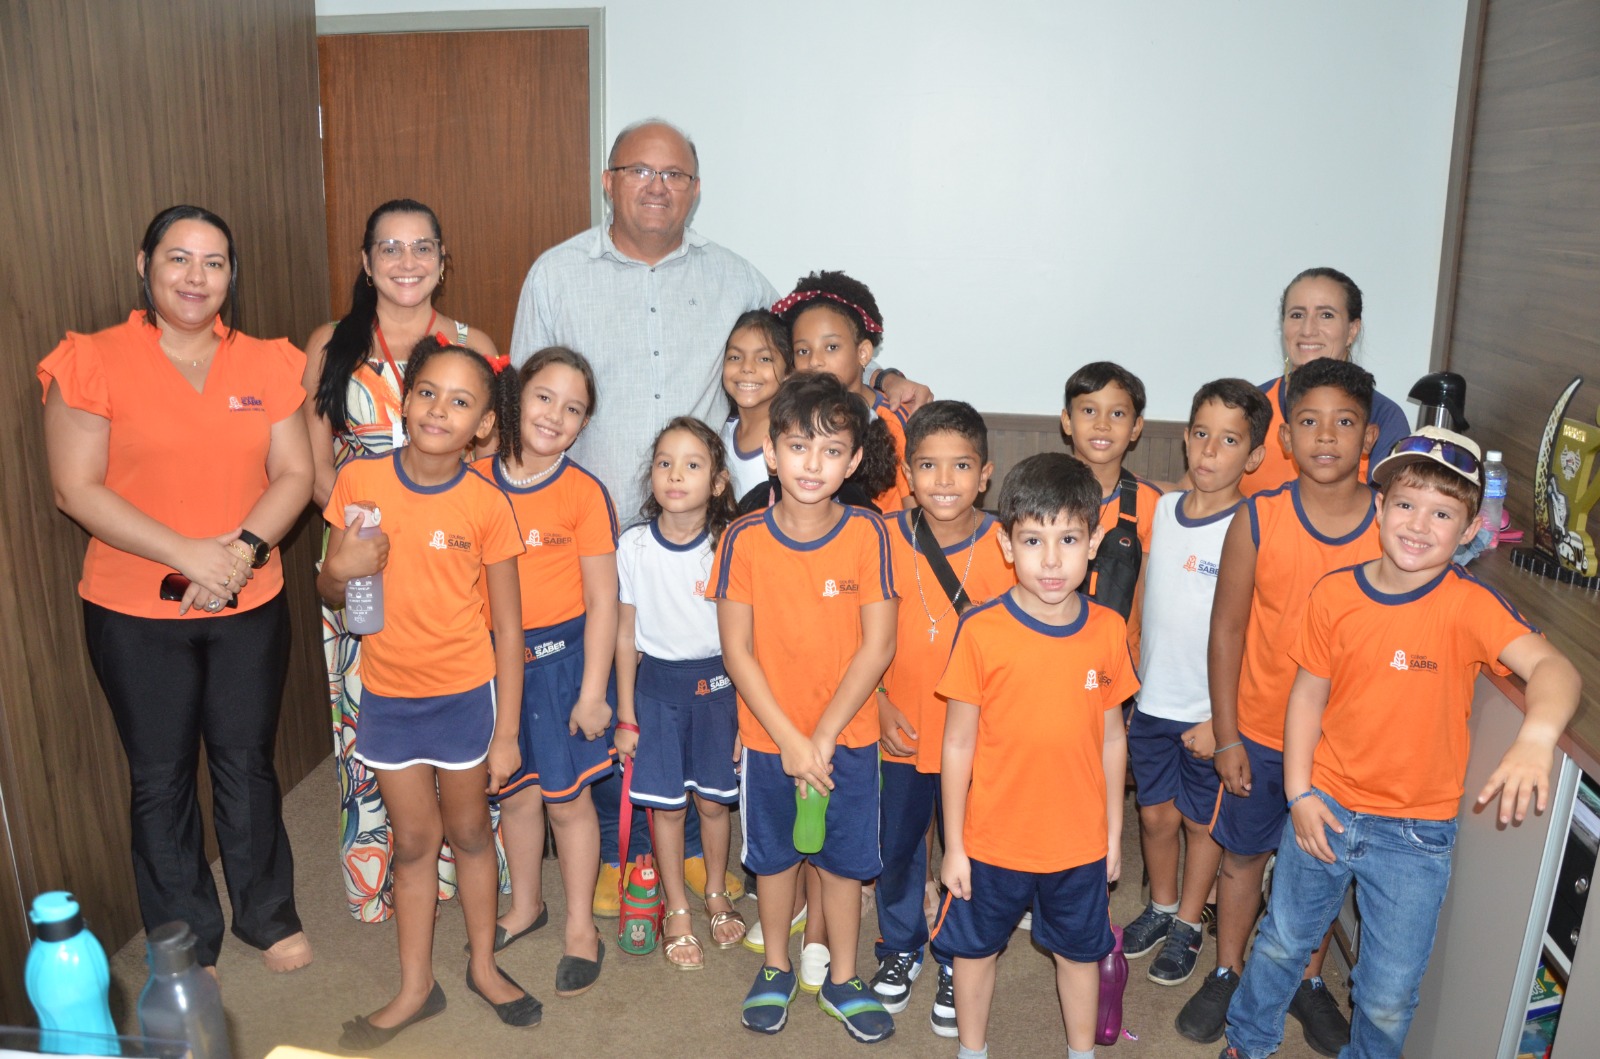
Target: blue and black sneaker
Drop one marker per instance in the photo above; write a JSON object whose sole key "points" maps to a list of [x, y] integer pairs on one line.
{"points": [[766, 1006], [853, 1004]]}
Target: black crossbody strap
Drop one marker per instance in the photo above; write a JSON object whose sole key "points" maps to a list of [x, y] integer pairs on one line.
{"points": [[929, 547]]}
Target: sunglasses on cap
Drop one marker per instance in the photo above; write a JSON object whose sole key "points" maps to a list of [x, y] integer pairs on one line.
{"points": [[1457, 456]]}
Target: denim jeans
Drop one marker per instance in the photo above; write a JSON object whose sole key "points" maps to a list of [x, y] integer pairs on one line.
{"points": [[905, 810], [1401, 868]]}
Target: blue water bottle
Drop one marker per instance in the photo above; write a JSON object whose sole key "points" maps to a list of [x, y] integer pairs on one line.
{"points": [[68, 980]]}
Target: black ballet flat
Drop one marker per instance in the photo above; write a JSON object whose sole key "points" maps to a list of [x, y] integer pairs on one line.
{"points": [[362, 1036], [523, 1011], [503, 939], [575, 975]]}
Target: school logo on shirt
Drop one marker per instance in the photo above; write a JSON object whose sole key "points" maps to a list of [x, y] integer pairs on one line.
{"points": [[539, 540], [449, 542], [716, 683], [1404, 664], [534, 540], [245, 404], [700, 589], [1196, 565], [843, 587], [1092, 681]]}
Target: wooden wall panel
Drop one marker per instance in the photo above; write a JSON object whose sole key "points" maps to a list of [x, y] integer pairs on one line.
{"points": [[108, 113], [1158, 454], [1523, 313]]}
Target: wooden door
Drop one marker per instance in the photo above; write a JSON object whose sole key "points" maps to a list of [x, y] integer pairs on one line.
{"points": [[488, 127]]}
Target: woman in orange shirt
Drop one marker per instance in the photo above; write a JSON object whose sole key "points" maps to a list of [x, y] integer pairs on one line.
{"points": [[353, 381], [176, 441]]}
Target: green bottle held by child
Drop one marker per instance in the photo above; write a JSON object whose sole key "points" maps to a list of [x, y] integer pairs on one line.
{"points": [[810, 818]]}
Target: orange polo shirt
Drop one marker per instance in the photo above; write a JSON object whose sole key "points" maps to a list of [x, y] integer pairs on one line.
{"points": [[893, 498], [806, 599], [195, 461], [1038, 796]]}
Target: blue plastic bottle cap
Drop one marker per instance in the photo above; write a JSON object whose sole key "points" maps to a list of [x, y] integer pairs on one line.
{"points": [[53, 907]]}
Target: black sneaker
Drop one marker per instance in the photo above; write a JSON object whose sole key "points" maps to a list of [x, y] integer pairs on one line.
{"points": [[1205, 1017], [943, 1018], [1175, 963], [893, 981], [1145, 934], [1325, 1027]]}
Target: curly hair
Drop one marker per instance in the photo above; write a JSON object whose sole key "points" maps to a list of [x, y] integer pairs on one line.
{"points": [[431, 346], [722, 507], [845, 293], [508, 401]]}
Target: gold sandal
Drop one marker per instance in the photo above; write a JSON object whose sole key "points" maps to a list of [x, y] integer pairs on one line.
{"points": [[674, 942], [722, 918]]}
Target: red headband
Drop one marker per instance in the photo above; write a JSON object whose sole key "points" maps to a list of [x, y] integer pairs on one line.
{"points": [[789, 301]]}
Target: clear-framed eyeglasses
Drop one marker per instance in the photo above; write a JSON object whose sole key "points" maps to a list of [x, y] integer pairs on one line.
{"points": [[395, 249], [641, 175]]}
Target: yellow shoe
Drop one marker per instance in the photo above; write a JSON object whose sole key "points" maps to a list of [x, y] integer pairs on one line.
{"points": [[606, 902], [694, 877]]}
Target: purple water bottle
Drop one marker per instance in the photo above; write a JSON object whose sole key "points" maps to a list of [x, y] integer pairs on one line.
{"points": [[1113, 980], [363, 596]]}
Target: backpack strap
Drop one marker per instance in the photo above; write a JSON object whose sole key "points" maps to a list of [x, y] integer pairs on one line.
{"points": [[940, 564]]}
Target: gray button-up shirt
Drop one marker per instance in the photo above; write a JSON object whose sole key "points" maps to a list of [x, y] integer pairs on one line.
{"points": [[654, 334]]}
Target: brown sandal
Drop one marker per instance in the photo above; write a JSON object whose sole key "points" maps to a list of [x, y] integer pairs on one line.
{"points": [[674, 942], [719, 919]]}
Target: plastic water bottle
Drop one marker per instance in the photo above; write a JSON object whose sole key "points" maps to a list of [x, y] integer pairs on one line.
{"points": [[363, 596], [1495, 481], [1113, 980], [810, 819], [68, 980], [181, 1002]]}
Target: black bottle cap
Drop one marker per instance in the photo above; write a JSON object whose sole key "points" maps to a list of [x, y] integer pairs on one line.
{"points": [[172, 948], [60, 929]]}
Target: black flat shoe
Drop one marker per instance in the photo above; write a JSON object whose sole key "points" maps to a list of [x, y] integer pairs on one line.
{"points": [[575, 975], [523, 1011], [362, 1036], [503, 939]]}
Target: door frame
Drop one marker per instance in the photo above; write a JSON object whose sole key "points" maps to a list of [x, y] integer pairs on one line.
{"points": [[592, 19]]}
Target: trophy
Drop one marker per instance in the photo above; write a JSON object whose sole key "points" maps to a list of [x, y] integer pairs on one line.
{"points": [[1565, 488]]}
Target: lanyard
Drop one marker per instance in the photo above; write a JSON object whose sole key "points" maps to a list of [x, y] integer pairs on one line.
{"points": [[399, 426]]}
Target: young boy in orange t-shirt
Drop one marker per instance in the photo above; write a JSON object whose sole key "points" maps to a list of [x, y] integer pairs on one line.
{"points": [[1388, 655], [806, 612], [947, 462], [1034, 684]]}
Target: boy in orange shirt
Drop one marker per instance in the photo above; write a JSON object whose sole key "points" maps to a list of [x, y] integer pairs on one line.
{"points": [[806, 610], [1277, 547], [1035, 682], [947, 550], [1407, 628], [1102, 418]]}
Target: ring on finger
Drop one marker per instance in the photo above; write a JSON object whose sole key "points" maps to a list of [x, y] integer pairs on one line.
{"points": [[214, 606]]}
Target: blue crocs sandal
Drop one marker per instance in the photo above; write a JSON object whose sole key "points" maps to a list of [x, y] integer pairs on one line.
{"points": [[766, 1006], [855, 1005]]}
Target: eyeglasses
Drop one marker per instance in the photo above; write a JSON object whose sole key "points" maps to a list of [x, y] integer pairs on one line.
{"points": [[1455, 455], [642, 175], [395, 249]]}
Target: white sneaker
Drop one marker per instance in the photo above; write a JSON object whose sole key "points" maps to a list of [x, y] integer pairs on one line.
{"points": [[814, 960], [1027, 922], [755, 941]]}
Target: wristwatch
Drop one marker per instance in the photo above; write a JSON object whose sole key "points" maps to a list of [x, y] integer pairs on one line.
{"points": [[260, 550]]}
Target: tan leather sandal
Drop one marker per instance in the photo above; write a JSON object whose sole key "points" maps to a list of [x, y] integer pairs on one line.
{"points": [[720, 919], [674, 942]]}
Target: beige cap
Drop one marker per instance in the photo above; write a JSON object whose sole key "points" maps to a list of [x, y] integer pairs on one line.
{"points": [[1444, 447]]}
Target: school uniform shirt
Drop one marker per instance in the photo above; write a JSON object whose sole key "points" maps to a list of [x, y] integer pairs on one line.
{"points": [[893, 498], [1180, 579], [666, 584], [919, 658], [1038, 796], [195, 461], [563, 518], [435, 636], [747, 469], [806, 599], [1144, 513], [1291, 557], [1278, 467], [1401, 666]]}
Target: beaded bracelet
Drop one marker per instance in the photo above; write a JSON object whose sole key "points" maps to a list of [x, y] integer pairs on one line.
{"points": [[1296, 798]]}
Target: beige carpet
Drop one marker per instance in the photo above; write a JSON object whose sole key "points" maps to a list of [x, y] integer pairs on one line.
{"points": [[641, 1007]]}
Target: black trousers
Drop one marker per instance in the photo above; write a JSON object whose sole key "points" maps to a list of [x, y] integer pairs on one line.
{"points": [[172, 683]]}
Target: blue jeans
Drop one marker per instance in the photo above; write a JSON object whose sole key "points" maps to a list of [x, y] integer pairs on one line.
{"points": [[1402, 869], [906, 810]]}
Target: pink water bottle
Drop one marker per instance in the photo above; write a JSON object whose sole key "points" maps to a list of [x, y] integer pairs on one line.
{"points": [[363, 596], [1113, 980]]}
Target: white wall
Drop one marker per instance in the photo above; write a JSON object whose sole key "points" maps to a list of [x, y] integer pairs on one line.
{"points": [[1028, 185]]}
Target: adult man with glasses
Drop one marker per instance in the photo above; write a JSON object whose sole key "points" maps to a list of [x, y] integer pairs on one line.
{"points": [[649, 301]]}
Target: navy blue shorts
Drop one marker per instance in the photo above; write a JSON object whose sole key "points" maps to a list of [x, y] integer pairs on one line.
{"points": [[766, 814], [1071, 913], [688, 722], [559, 763], [445, 731], [1250, 826], [1165, 771]]}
